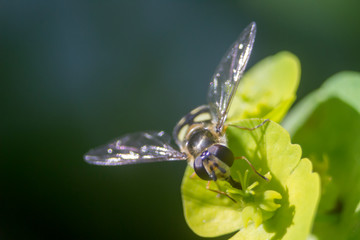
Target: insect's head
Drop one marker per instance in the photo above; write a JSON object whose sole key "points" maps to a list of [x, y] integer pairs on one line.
{"points": [[214, 163]]}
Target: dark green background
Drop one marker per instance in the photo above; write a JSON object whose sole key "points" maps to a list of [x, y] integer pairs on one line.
{"points": [[76, 74]]}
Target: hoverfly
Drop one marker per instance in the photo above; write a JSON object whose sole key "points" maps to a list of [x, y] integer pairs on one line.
{"points": [[200, 134]]}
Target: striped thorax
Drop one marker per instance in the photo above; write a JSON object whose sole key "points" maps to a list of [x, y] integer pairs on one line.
{"points": [[206, 149]]}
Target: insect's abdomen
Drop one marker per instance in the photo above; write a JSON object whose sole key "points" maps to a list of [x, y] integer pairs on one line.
{"points": [[199, 117], [195, 133]]}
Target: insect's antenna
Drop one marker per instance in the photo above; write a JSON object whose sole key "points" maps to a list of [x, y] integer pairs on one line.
{"points": [[213, 175]]}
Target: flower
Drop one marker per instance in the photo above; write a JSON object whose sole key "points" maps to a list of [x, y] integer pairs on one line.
{"points": [[284, 206]]}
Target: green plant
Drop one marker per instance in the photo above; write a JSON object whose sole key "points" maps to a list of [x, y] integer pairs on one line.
{"points": [[326, 125]]}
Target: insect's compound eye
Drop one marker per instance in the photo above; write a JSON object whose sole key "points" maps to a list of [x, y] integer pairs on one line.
{"points": [[223, 153], [199, 167]]}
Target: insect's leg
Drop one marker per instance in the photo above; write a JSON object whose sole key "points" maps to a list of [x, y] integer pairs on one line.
{"points": [[250, 129], [253, 168], [192, 176], [219, 192]]}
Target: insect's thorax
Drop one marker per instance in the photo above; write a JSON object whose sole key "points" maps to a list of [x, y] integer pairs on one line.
{"points": [[195, 132]]}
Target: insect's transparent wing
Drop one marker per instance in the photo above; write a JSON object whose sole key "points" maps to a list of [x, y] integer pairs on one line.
{"points": [[141, 147], [228, 74]]}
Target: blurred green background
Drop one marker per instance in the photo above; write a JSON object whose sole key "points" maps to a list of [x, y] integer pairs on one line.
{"points": [[76, 74]]}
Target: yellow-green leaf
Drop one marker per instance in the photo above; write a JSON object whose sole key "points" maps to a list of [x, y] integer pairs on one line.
{"points": [[268, 89], [327, 125], [282, 208]]}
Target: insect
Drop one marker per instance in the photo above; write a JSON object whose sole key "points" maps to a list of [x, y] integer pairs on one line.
{"points": [[200, 135]]}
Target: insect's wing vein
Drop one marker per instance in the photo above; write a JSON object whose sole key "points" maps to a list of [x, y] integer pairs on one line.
{"points": [[141, 147], [228, 74]]}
